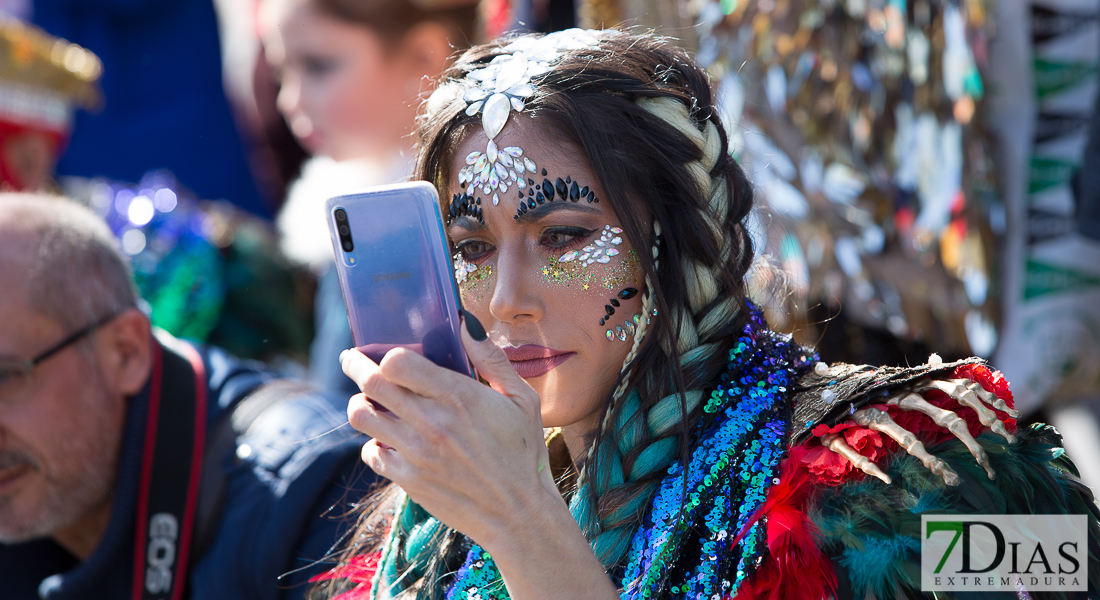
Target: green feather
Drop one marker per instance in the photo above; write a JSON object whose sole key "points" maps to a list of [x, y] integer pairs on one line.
{"points": [[873, 529]]}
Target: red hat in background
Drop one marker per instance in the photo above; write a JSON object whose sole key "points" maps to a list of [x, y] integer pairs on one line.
{"points": [[42, 80]]}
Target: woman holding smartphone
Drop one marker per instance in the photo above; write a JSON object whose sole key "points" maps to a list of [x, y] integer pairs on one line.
{"points": [[690, 451]]}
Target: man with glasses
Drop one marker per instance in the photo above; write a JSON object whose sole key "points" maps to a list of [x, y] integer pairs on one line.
{"points": [[135, 465]]}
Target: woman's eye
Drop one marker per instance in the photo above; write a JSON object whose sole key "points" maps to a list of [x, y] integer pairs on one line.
{"points": [[474, 250], [315, 65], [560, 237]]}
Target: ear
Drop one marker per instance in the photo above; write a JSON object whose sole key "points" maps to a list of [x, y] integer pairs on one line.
{"points": [[427, 49], [124, 350]]}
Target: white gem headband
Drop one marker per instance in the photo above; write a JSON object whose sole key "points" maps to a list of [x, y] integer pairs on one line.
{"points": [[502, 87]]}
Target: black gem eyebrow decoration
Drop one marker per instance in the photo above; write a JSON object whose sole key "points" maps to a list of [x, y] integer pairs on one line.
{"points": [[464, 205]]}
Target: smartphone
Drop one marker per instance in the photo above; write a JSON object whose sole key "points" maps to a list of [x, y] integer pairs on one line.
{"points": [[396, 273]]}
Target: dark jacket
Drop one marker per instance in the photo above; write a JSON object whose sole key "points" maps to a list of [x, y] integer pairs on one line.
{"points": [[286, 502]]}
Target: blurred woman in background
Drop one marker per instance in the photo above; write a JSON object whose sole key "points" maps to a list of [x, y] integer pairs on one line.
{"points": [[352, 74]]}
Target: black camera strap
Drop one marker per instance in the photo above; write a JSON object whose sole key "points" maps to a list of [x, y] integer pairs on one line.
{"points": [[172, 463]]}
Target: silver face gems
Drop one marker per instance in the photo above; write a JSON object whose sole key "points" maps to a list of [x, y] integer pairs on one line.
{"points": [[501, 87], [600, 251], [463, 269], [630, 326]]}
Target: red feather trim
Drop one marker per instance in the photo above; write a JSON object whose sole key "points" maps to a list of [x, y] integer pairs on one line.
{"points": [[795, 568], [360, 569]]}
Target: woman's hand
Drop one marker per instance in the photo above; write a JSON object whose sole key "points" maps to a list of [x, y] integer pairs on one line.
{"points": [[471, 455], [475, 458]]}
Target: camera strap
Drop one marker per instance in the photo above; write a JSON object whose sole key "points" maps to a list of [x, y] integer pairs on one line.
{"points": [[172, 462]]}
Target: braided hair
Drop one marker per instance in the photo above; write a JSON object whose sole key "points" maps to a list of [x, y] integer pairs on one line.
{"points": [[643, 114]]}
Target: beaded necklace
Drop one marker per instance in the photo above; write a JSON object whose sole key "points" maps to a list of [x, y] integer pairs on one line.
{"points": [[734, 464]]}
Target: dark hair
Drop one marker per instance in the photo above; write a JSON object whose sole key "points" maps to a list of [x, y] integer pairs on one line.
{"points": [[643, 114], [392, 19]]}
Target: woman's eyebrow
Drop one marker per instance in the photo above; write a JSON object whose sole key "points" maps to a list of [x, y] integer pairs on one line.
{"points": [[543, 210], [468, 223]]}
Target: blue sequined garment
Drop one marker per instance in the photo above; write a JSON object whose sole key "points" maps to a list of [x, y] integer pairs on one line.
{"points": [[690, 553]]}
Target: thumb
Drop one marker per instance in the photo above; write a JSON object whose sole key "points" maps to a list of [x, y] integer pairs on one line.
{"points": [[489, 360]]}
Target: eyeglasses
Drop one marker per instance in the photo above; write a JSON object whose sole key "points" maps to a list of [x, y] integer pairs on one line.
{"points": [[14, 374]]}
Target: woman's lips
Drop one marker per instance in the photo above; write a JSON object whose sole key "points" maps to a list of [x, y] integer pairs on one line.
{"points": [[532, 361]]}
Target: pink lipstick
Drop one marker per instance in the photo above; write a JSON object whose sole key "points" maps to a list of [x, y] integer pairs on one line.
{"points": [[532, 361]]}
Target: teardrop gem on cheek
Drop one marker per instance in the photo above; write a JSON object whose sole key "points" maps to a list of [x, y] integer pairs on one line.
{"points": [[610, 336], [610, 311], [615, 303], [530, 164], [628, 327], [621, 334], [602, 320], [628, 293]]}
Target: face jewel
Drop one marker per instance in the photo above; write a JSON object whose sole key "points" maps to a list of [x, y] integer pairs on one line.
{"points": [[628, 327], [495, 114], [463, 269], [628, 293], [615, 303], [584, 191], [591, 196], [569, 256], [610, 311], [501, 87], [562, 190], [548, 189], [574, 192], [496, 200], [620, 334], [610, 336], [601, 250]]}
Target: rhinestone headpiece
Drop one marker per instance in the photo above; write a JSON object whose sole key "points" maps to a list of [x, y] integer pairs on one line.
{"points": [[502, 87]]}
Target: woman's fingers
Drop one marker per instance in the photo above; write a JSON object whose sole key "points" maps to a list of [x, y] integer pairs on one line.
{"points": [[491, 362], [384, 460], [369, 417], [376, 385]]}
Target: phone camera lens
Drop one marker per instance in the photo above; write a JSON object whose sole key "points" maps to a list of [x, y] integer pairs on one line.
{"points": [[343, 230], [347, 245], [341, 215]]}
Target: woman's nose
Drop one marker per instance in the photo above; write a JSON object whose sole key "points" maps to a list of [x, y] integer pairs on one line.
{"points": [[517, 293]]}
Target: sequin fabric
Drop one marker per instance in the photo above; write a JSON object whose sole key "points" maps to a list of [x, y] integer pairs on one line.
{"points": [[685, 547]]}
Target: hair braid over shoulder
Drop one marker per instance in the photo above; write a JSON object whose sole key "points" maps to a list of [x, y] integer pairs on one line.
{"points": [[646, 448]]}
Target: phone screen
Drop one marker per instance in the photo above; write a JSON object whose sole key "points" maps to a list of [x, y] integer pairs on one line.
{"points": [[396, 274]]}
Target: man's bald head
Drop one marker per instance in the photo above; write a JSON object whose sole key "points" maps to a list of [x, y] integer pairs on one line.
{"points": [[65, 259]]}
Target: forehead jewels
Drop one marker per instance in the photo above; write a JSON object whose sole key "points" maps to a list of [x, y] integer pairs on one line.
{"points": [[501, 87], [562, 189], [599, 251], [464, 205]]}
